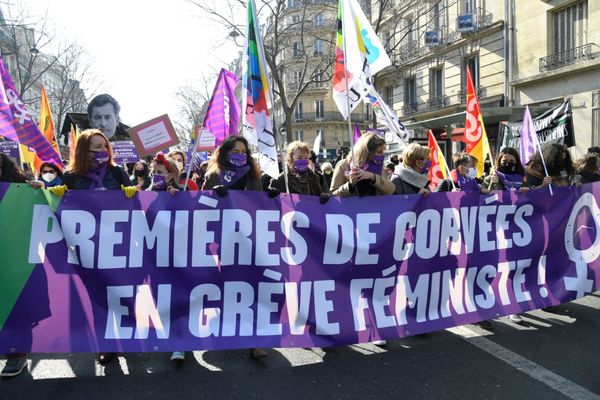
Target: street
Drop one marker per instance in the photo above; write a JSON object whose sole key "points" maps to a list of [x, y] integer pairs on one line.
{"points": [[551, 355]]}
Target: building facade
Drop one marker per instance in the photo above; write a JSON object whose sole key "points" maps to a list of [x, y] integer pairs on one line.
{"points": [[556, 55], [535, 52]]}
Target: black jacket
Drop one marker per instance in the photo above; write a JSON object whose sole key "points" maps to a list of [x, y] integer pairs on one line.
{"points": [[115, 177]]}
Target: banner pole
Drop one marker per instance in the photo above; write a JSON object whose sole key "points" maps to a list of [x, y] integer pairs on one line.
{"points": [[349, 117]]}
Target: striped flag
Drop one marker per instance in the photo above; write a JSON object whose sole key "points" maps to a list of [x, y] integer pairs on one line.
{"points": [[256, 97], [439, 168], [223, 113], [16, 122], [359, 54], [475, 134]]}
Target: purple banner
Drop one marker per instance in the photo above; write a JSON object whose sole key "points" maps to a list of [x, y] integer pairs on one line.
{"points": [[195, 271], [124, 152]]}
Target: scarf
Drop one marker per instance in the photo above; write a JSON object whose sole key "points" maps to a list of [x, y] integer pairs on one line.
{"points": [[97, 177], [233, 174], [510, 181], [467, 184], [410, 176]]}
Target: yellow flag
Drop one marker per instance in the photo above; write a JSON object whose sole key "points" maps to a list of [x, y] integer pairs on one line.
{"points": [[46, 124]]}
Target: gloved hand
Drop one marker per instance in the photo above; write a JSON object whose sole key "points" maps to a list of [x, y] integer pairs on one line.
{"points": [[324, 198], [129, 191], [272, 192], [58, 191], [221, 190]]}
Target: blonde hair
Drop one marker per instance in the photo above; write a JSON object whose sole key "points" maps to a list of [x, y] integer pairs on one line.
{"points": [[365, 146], [413, 153], [292, 147]]}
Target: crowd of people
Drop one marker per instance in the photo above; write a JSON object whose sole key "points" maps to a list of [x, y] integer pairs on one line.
{"points": [[360, 172]]}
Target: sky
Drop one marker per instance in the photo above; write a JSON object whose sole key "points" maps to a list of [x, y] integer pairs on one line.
{"points": [[143, 50]]}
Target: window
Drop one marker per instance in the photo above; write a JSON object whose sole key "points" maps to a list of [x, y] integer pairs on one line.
{"points": [[410, 92], [298, 112], [297, 76], [473, 63], [319, 109], [318, 21], [318, 47], [291, 3], [389, 96], [437, 16], [319, 78], [467, 6], [596, 118], [298, 49], [569, 26], [299, 135], [410, 29], [436, 83], [295, 19]]}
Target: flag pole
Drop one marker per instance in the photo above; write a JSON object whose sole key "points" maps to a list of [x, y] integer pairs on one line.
{"points": [[349, 117], [284, 165], [189, 168], [544, 164]]}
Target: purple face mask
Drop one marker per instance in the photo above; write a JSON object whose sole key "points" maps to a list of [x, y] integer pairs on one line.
{"points": [[159, 181], [100, 158], [301, 165], [237, 160]]}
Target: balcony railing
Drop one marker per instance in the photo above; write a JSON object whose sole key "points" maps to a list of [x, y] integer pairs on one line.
{"points": [[466, 23], [330, 116], [462, 94], [569, 57], [438, 102], [409, 108], [293, 87]]}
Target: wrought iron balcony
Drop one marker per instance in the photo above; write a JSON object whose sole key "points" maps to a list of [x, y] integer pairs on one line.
{"points": [[569, 57], [329, 117], [409, 108], [438, 102], [462, 94]]}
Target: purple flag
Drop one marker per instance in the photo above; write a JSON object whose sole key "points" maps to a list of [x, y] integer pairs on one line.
{"points": [[16, 122], [223, 113], [529, 139], [357, 133]]}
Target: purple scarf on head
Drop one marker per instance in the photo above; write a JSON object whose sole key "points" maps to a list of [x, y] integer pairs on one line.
{"points": [[467, 185], [510, 181], [233, 174], [97, 177]]}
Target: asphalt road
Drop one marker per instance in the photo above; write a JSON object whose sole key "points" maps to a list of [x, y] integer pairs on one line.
{"points": [[551, 355]]}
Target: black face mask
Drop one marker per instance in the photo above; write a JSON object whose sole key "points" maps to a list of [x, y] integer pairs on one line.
{"points": [[508, 167], [139, 172]]}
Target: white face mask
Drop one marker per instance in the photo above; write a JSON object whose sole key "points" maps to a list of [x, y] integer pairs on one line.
{"points": [[49, 176], [472, 174], [179, 165]]}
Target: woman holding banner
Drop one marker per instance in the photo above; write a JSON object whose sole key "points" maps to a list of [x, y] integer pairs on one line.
{"points": [[360, 173], [301, 178], [410, 176], [509, 173], [558, 163], [232, 168], [93, 168], [179, 157]]}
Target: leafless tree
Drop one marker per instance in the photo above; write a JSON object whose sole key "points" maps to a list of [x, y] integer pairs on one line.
{"points": [[299, 51]]}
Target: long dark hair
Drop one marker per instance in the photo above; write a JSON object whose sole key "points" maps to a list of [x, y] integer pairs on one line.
{"points": [[553, 156], [588, 163], [219, 162], [9, 171], [509, 150]]}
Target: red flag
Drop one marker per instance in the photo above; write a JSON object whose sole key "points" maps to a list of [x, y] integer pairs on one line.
{"points": [[437, 172]]}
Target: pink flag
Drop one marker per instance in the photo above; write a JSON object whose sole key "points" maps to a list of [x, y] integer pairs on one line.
{"points": [[357, 133], [16, 122], [223, 113]]}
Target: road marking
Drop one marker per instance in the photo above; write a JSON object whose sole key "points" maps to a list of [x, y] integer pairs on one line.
{"points": [[535, 371]]}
